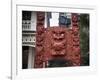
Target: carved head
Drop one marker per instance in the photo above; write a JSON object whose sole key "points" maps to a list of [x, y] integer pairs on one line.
{"points": [[58, 34]]}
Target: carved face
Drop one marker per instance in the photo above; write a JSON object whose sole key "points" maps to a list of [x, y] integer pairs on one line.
{"points": [[58, 42], [58, 34], [40, 15], [75, 17]]}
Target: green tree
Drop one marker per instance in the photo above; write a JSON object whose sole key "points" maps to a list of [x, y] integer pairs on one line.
{"points": [[84, 38]]}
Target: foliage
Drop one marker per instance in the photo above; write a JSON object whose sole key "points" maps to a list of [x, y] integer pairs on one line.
{"points": [[84, 38]]}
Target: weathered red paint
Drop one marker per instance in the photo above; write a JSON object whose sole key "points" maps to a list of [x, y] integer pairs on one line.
{"points": [[57, 42]]}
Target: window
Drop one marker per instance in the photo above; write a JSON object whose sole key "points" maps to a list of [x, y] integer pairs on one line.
{"points": [[55, 19], [26, 15], [64, 20]]}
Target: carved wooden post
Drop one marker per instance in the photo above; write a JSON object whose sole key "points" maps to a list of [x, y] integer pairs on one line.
{"points": [[73, 42], [76, 40], [39, 40]]}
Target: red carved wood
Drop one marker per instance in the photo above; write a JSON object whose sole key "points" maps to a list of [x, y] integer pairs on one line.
{"points": [[39, 40], [76, 42], [57, 42]]}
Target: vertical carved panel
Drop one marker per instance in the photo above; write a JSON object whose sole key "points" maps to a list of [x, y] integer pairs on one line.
{"points": [[76, 41], [39, 40], [69, 45], [73, 42]]}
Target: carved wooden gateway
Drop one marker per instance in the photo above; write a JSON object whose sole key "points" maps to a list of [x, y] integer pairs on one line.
{"points": [[57, 46]]}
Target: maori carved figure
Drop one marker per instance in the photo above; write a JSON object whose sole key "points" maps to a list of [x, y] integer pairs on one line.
{"points": [[40, 30], [58, 48], [57, 45], [39, 40], [75, 30], [40, 37], [39, 61], [58, 35], [73, 42], [74, 18], [40, 16], [39, 49], [57, 42], [76, 42]]}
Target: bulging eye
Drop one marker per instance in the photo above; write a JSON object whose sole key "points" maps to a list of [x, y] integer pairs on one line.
{"points": [[62, 34]]}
